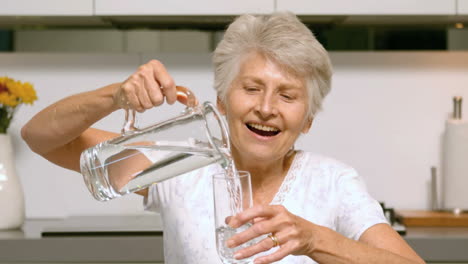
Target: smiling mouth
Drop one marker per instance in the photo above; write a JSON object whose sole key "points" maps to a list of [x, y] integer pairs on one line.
{"points": [[265, 131]]}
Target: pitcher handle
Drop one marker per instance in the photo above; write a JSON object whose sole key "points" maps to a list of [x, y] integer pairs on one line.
{"points": [[130, 114]]}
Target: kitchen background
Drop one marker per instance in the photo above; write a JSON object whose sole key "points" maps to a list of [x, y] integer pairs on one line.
{"points": [[396, 70]]}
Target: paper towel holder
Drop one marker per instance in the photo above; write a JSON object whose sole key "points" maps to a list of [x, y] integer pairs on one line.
{"points": [[454, 169]]}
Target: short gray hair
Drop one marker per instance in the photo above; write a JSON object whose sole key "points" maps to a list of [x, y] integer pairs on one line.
{"points": [[282, 38]]}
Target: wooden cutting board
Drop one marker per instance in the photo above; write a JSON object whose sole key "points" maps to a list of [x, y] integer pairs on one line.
{"points": [[431, 218]]}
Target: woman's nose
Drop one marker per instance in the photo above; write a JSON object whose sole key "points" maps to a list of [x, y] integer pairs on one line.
{"points": [[266, 106]]}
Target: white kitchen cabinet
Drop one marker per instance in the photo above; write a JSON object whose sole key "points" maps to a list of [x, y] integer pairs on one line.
{"points": [[182, 7], [369, 7], [46, 7], [462, 7]]}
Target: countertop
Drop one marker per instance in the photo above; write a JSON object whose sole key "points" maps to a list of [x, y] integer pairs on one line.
{"points": [[85, 239], [139, 239], [439, 244]]}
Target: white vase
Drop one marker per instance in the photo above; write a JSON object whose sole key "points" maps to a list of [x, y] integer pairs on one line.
{"points": [[11, 192]]}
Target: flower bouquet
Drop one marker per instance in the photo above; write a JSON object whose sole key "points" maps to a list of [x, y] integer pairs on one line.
{"points": [[12, 94]]}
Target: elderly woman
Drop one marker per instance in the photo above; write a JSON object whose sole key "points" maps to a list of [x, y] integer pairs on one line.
{"points": [[271, 76]]}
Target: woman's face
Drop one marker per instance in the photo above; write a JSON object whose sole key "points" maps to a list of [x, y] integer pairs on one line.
{"points": [[266, 110]]}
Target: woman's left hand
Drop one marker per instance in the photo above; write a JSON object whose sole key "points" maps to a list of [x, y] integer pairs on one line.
{"points": [[294, 234]]}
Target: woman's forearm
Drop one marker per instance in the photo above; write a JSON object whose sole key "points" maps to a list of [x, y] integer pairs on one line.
{"points": [[63, 121], [335, 248]]}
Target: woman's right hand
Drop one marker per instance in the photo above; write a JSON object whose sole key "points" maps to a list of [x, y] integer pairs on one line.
{"points": [[146, 88]]}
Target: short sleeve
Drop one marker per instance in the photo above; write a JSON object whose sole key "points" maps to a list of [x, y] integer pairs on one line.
{"points": [[357, 210], [151, 201]]}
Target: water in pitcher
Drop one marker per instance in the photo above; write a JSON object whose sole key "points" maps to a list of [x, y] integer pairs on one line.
{"points": [[112, 170]]}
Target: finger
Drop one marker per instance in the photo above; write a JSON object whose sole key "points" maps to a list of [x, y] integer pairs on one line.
{"points": [[144, 98], [154, 91], [281, 253], [134, 103], [227, 219], [256, 230], [168, 88], [264, 245], [165, 80], [250, 214]]}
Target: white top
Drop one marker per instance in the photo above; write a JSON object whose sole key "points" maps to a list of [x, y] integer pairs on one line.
{"points": [[319, 189]]}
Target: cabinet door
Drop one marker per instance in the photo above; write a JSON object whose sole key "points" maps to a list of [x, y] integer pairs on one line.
{"points": [[369, 7], [182, 7], [46, 7], [462, 7]]}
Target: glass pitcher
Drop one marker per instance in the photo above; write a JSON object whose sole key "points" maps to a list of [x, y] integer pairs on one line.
{"points": [[141, 157]]}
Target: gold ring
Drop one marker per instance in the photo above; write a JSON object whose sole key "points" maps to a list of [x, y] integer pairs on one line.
{"points": [[274, 239]]}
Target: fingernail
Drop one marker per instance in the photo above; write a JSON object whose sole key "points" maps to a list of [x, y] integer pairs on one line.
{"points": [[233, 223], [237, 255], [230, 243], [230, 221]]}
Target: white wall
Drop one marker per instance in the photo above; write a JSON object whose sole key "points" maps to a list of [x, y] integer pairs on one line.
{"points": [[384, 116]]}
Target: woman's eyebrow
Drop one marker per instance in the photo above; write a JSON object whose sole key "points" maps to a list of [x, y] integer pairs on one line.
{"points": [[282, 86], [252, 78], [289, 87]]}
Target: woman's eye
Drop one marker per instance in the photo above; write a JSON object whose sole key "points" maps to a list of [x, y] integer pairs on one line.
{"points": [[251, 89], [287, 96]]}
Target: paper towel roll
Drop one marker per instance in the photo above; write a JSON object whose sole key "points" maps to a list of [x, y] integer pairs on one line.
{"points": [[455, 165]]}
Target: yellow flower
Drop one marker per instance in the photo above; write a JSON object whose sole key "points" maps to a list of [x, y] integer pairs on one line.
{"points": [[23, 91], [3, 86], [15, 92], [7, 99], [29, 95], [12, 94]]}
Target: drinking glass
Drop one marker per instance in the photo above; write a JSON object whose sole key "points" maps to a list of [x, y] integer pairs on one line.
{"points": [[232, 194]]}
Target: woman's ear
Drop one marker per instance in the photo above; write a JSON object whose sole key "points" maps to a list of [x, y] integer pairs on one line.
{"points": [[307, 125], [220, 105]]}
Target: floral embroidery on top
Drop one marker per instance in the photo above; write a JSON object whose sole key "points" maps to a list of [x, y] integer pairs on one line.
{"points": [[289, 179]]}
